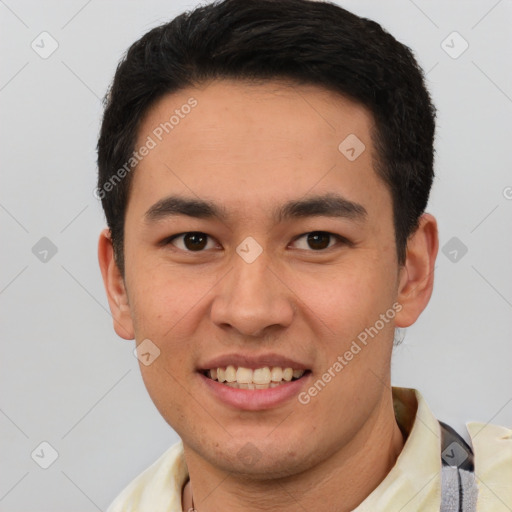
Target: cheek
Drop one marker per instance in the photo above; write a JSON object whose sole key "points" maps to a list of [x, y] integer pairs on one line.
{"points": [[160, 300], [346, 299]]}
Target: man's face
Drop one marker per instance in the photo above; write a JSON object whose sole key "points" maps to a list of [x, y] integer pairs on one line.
{"points": [[261, 285]]}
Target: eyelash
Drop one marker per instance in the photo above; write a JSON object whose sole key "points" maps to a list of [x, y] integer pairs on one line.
{"points": [[341, 240]]}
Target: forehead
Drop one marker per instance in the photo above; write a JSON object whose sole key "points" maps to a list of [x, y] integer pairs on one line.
{"points": [[241, 142], [226, 111]]}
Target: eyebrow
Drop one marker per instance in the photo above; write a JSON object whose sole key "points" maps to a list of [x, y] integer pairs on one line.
{"points": [[327, 205]]}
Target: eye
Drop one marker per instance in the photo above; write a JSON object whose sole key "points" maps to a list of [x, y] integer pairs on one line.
{"points": [[318, 240], [192, 241]]}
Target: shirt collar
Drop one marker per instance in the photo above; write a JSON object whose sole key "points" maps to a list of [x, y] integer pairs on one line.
{"points": [[414, 482]]}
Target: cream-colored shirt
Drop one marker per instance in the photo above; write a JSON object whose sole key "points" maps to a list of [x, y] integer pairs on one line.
{"points": [[412, 485]]}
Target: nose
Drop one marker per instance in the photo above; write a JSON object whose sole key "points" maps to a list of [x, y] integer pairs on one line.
{"points": [[252, 299]]}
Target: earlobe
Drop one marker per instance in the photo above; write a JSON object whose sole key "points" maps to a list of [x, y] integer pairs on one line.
{"points": [[115, 287], [417, 276]]}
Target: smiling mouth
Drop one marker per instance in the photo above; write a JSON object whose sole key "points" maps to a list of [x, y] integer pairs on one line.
{"points": [[260, 378]]}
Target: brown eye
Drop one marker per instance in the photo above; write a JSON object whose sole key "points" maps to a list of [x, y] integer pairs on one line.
{"points": [[319, 240], [193, 241]]}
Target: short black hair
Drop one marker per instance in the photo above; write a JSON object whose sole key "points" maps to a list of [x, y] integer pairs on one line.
{"points": [[303, 41]]}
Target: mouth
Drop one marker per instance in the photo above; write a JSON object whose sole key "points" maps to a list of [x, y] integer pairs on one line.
{"points": [[266, 377]]}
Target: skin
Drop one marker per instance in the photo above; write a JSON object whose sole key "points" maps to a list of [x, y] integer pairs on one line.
{"points": [[251, 148]]}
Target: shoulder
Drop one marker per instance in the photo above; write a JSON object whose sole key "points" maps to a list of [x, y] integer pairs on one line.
{"points": [[158, 487], [492, 447]]}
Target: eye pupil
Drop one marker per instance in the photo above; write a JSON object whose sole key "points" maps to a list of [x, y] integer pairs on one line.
{"points": [[195, 241], [318, 240]]}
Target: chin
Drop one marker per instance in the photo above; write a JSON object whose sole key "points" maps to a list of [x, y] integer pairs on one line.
{"points": [[261, 460]]}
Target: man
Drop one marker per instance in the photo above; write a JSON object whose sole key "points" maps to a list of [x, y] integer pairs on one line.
{"points": [[264, 167]]}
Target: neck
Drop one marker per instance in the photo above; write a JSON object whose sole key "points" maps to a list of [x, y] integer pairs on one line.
{"points": [[341, 482]]}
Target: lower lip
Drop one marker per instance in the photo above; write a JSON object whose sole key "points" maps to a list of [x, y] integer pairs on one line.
{"points": [[255, 399]]}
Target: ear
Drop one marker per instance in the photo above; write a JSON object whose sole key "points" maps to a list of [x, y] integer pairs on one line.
{"points": [[115, 287], [416, 277]]}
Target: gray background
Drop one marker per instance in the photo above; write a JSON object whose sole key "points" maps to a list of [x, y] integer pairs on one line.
{"points": [[68, 380]]}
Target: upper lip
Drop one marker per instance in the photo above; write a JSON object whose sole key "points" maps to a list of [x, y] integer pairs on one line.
{"points": [[252, 361]]}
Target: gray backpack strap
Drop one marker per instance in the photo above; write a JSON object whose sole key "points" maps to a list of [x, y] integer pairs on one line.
{"points": [[459, 490]]}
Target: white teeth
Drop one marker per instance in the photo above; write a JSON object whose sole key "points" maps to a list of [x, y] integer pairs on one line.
{"points": [[288, 374], [276, 374], [231, 374], [244, 375], [260, 378], [250, 385]]}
